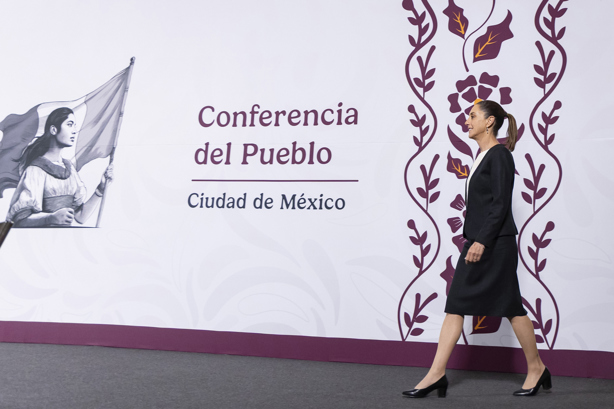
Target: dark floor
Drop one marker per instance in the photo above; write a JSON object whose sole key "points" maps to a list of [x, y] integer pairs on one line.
{"points": [[66, 377]]}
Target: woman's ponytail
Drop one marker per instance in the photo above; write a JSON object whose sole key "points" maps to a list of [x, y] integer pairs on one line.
{"points": [[491, 108], [512, 133]]}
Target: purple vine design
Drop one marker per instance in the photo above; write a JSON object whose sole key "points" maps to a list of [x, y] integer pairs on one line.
{"points": [[475, 31], [540, 243], [420, 85], [417, 318], [486, 47], [539, 325], [458, 25], [429, 184], [548, 81], [456, 223]]}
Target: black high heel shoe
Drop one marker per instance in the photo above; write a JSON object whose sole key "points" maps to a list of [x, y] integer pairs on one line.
{"points": [[545, 380], [441, 385]]}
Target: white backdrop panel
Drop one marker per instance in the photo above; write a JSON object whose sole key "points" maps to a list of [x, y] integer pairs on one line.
{"points": [[155, 261]]}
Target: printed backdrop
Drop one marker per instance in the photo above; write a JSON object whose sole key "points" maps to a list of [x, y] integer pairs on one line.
{"points": [[297, 168]]}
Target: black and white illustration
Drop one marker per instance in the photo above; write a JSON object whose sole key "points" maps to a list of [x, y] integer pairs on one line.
{"points": [[43, 151]]}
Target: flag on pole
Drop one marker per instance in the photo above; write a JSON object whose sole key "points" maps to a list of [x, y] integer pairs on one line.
{"points": [[99, 113]]}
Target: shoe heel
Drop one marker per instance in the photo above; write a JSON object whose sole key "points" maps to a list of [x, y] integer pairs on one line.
{"points": [[547, 383], [441, 392]]}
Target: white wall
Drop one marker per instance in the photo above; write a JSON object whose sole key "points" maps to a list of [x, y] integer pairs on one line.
{"points": [[335, 273]]}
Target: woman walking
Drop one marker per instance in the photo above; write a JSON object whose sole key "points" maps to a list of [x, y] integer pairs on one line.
{"points": [[485, 282]]}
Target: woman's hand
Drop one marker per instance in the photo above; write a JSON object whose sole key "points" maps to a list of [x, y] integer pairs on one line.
{"points": [[108, 174], [474, 254], [107, 177], [62, 217]]}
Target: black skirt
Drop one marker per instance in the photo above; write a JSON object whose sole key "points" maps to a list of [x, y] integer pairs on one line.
{"points": [[490, 286]]}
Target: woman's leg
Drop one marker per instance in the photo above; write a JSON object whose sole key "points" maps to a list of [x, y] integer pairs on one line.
{"points": [[450, 332], [523, 328]]}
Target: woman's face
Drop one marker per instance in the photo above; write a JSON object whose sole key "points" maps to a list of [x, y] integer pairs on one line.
{"points": [[476, 122], [67, 133]]}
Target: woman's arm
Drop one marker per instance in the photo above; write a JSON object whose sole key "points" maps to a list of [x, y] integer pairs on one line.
{"points": [[501, 185], [85, 211], [62, 217]]}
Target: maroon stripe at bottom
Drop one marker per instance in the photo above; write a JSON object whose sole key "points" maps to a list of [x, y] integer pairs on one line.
{"points": [[588, 364]]}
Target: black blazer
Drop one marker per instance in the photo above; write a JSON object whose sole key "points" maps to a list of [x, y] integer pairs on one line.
{"points": [[489, 199]]}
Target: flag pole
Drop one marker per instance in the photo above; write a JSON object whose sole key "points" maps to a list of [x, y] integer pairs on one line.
{"points": [[118, 126]]}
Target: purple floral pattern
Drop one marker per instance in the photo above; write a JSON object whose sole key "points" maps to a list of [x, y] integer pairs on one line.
{"points": [[456, 223], [457, 23], [485, 325], [423, 119], [536, 195], [457, 19], [535, 192], [467, 92], [470, 90], [487, 46]]}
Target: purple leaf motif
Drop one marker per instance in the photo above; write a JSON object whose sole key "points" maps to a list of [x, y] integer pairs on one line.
{"points": [[417, 262], [408, 5], [434, 197], [422, 318], [458, 203], [455, 223], [407, 319], [456, 167], [457, 23], [536, 241], [527, 198], [426, 249], [548, 326], [448, 274], [458, 143], [459, 241], [417, 317], [487, 46], [538, 323], [428, 300], [486, 325]]}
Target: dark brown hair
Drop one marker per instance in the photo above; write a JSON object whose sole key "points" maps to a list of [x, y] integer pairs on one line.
{"points": [[491, 108], [41, 145]]}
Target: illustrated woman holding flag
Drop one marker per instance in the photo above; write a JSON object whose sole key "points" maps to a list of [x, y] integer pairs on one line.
{"points": [[50, 191]]}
